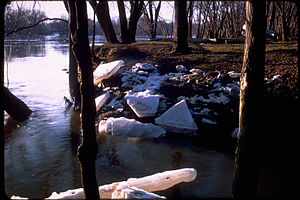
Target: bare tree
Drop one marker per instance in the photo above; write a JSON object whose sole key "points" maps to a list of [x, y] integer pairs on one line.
{"points": [[150, 19], [102, 11], [128, 32], [245, 178], [88, 149]]}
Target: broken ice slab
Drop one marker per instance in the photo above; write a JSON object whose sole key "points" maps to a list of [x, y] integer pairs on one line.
{"points": [[178, 119], [106, 70], [181, 68], [144, 66], [101, 100], [130, 128], [143, 105], [197, 71]]}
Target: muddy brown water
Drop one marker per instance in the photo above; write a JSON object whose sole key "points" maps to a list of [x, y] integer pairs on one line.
{"points": [[40, 153]]}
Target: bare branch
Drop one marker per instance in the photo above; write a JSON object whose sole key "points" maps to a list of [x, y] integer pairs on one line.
{"points": [[31, 26]]}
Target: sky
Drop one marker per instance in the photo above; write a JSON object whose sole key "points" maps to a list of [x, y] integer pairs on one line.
{"points": [[56, 9]]}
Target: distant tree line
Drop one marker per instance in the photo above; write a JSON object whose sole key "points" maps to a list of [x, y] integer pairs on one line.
{"points": [[206, 19]]}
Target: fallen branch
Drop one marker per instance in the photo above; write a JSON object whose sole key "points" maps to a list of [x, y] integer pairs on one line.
{"points": [[33, 25]]}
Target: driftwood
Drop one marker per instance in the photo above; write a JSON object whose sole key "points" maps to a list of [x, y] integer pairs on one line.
{"points": [[155, 182], [14, 106]]}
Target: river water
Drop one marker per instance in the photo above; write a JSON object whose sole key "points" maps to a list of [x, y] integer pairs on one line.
{"points": [[40, 153]]}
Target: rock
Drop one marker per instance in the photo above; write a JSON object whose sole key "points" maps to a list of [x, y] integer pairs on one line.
{"points": [[101, 100], [178, 119], [143, 105], [130, 128], [106, 70]]}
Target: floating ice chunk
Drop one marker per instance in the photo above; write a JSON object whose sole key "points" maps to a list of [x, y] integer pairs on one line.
{"points": [[101, 100], [181, 68], [208, 121], [143, 105], [197, 71], [178, 119], [106, 70], [134, 193], [130, 128]]}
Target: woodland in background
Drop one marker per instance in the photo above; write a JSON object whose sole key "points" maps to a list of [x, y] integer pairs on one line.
{"points": [[206, 19]]}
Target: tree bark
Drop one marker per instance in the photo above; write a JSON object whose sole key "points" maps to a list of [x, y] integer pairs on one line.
{"points": [[251, 113], [14, 106], [88, 149], [74, 86], [102, 11], [181, 27], [135, 14], [123, 22], [128, 32]]}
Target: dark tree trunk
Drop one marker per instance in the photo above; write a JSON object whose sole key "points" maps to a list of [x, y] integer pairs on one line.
{"points": [[102, 11], [245, 178], [88, 149], [128, 34], [181, 27], [123, 22], [74, 86], [14, 106], [136, 12]]}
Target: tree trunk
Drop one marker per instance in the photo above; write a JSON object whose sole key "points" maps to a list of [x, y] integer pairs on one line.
{"points": [[14, 106], [181, 27], [123, 22], [190, 18], [136, 12], [74, 86], [128, 34], [88, 149], [251, 103], [102, 11]]}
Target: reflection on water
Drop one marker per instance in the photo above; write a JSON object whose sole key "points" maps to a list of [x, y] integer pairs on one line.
{"points": [[40, 153]]}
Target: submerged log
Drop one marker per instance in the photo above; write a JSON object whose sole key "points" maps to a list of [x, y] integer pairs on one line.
{"points": [[14, 106]]}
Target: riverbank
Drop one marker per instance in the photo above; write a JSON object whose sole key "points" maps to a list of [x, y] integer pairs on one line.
{"points": [[221, 64]]}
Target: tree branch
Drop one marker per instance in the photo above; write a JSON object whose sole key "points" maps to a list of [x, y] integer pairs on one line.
{"points": [[31, 26]]}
